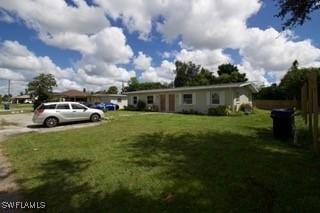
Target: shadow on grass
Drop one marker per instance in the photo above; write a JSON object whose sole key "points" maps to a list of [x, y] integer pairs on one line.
{"points": [[202, 172], [223, 171]]}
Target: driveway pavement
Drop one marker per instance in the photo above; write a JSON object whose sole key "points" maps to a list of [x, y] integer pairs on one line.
{"points": [[22, 123]]}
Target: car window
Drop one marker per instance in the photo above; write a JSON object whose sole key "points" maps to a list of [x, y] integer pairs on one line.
{"points": [[63, 106], [50, 106], [77, 106]]}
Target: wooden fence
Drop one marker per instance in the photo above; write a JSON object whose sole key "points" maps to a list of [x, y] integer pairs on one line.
{"points": [[273, 104], [309, 107]]}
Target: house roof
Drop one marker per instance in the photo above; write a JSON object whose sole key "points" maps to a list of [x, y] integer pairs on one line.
{"points": [[72, 93], [250, 85], [22, 97], [109, 95]]}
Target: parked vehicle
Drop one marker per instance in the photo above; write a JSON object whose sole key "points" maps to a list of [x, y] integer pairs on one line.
{"points": [[107, 106], [54, 113]]}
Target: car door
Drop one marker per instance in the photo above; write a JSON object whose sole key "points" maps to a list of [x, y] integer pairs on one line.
{"points": [[64, 112], [80, 112]]}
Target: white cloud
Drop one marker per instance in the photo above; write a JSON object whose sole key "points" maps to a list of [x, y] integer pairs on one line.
{"points": [[142, 62], [209, 59], [164, 73]]}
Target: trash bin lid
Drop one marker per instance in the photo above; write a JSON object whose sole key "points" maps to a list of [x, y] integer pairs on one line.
{"points": [[282, 113]]}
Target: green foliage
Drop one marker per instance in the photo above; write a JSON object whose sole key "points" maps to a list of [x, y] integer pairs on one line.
{"points": [[190, 74], [0, 99], [272, 92], [294, 79], [229, 73], [112, 90], [141, 105], [130, 108], [6, 98], [219, 111], [296, 12], [42, 86], [135, 85]]}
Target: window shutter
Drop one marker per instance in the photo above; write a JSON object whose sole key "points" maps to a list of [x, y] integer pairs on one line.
{"points": [[208, 98]]}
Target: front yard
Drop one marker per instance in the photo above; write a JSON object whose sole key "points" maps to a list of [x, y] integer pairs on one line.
{"points": [[140, 162]]}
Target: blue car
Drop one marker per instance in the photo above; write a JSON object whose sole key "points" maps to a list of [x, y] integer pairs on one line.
{"points": [[107, 106]]}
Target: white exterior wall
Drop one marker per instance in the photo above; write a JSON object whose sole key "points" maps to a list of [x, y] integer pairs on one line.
{"points": [[242, 96]]}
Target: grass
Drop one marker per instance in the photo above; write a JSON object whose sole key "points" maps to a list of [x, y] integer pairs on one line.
{"points": [[16, 108], [140, 162]]}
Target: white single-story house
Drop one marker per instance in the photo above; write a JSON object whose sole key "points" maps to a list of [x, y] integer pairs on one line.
{"points": [[198, 98]]}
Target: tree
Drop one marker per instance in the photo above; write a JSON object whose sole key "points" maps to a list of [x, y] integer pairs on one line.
{"points": [[273, 92], [0, 99], [112, 90], [41, 87], [190, 74], [229, 73], [296, 12], [134, 85]]}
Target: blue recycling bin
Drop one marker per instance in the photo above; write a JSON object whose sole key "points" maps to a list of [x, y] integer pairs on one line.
{"points": [[283, 123]]}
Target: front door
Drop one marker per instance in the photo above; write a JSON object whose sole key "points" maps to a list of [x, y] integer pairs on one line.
{"points": [[172, 103], [162, 103]]}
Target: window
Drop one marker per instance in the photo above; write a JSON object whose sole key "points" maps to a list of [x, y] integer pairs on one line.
{"points": [[150, 99], [50, 106], [135, 99], [77, 106], [63, 106], [187, 99], [215, 98]]}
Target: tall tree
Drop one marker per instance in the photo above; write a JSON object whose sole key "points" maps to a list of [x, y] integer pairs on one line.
{"points": [[41, 87], [134, 85], [229, 73], [296, 12], [190, 74], [112, 90]]}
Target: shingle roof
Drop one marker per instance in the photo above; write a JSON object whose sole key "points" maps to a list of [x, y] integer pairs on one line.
{"points": [[251, 85], [73, 93]]}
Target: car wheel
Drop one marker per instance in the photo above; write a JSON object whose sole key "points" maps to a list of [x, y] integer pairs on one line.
{"points": [[51, 122], [95, 118]]}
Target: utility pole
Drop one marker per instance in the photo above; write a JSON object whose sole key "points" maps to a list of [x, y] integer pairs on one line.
{"points": [[9, 87]]}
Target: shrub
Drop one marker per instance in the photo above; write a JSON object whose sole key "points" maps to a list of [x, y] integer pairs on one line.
{"points": [[141, 105], [130, 108], [220, 111], [246, 108]]}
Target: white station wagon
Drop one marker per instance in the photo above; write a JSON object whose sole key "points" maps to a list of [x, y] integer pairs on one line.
{"points": [[54, 113]]}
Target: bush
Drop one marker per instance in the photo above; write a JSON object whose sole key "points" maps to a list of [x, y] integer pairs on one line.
{"points": [[141, 105], [220, 111], [246, 108], [130, 108]]}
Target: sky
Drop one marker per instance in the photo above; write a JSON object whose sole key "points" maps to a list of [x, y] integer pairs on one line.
{"points": [[100, 43]]}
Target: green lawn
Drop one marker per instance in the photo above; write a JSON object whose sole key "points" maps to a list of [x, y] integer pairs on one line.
{"points": [[16, 108], [139, 162]]}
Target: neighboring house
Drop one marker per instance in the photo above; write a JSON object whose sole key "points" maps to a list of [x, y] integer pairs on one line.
{"points": [[22, 99], [78, 96], [71, 95], [199, 98], [121, 100]]}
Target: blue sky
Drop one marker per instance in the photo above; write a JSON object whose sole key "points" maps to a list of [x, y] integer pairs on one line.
{"points": [[102, 44]]}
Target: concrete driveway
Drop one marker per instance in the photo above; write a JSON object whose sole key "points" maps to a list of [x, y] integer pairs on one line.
{"points": [[21, 123]]}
